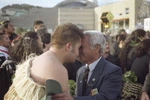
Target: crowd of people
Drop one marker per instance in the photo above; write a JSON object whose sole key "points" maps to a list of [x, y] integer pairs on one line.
{"points": [[95, 61]]}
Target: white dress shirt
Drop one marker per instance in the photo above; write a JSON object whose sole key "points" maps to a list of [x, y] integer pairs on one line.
{"points": [[92, 67]]}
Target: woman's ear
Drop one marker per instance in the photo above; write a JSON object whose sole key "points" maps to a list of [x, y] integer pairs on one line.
{"points": [[68, 47]]}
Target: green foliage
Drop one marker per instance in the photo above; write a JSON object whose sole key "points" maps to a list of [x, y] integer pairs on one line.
{"points": [[72, 87], [12, 77], [129, 77], [133, 43]]}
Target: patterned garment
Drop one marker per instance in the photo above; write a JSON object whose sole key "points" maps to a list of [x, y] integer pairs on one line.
{"points": [[24, 87]]}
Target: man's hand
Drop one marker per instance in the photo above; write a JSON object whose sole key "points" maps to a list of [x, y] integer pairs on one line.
{"points": [[62, 96], [144, 96]]}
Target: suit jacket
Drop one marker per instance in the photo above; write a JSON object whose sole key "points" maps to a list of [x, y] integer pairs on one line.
{"points": [[106, 78]]}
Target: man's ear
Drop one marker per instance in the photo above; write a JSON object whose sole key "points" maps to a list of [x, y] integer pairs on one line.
{"points": [[97, 47], [68, 47]]}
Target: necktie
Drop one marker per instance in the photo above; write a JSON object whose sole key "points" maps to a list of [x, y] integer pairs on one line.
{"points": [[85, 78]]}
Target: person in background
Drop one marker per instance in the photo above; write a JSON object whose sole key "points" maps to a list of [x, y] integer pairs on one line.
{"points": [[8, 28], [4, 55], [146, 87], [46, 40], [123, 32], [42, 31], [127, 53], [72, 69], [24, 46], [29, 43], [38, 24], [108, 56], [30, 77], [4, 45], [140, 65], [118, 45], [121, 36], [104, 79]]}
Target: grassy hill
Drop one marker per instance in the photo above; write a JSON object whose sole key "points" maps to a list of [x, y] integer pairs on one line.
{"points": [[20, 6]]}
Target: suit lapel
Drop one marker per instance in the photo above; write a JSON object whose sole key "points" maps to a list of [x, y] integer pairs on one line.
{"points": [[80, 83], [95, 75]]}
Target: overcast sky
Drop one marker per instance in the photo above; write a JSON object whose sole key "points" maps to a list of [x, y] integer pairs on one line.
{"points": [[43, 3]]}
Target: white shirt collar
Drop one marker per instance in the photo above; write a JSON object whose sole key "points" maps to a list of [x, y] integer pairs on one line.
{"points": [[3, 48], [93, 65]]}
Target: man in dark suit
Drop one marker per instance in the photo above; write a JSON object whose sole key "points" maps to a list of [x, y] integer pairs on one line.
{"points": [[104, 80]]}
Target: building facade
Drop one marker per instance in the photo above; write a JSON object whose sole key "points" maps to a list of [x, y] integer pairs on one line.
{"points": [[126, 15], [83, 18]]}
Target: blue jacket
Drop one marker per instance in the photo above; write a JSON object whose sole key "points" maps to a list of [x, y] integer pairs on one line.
{"points": [[106, 79]]}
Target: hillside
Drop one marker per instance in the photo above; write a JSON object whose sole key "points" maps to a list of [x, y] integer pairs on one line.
{"points": [[21, 7]]}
